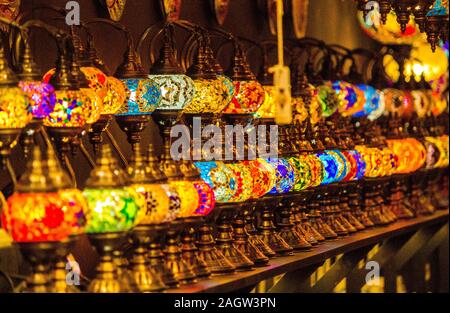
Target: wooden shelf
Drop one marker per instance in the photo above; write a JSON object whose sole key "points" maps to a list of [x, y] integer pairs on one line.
{"points": [[280, 265]]}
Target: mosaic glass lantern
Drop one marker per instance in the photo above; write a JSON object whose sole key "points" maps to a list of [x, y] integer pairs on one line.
{"points": [[116, 95], [143, 96], [211, 96], [267, 109], [352, 166], [14, 108], [113, 206], [352, 99], [177, 91], [206, 199], [285, 178], [68, 110], [220, 178], [189, 197], [41, 97], [302, 173], [36, 212], [264, 177], [372, 103], [316, 169], [248, 97], [328, 99], [330, 168], [343, 164], [243, 180]]}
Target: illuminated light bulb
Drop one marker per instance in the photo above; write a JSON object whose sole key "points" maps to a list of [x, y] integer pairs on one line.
{"points": [[68, 110], [284, 172], [36, 212], [243, 180], [177, 91], [112, 206], [264, 177], [206, 199], [352, 99], [219, 177], [373, 106], [115, 95], [267, 109], [328, 99], [41, 97], [316, 169], [143, 97], [14, 108], [302, 173], [249, 96]]}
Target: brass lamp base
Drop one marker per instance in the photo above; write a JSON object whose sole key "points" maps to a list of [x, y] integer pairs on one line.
{"points": [[317, 220], [267, 230], [133, 126], [224, 240], [28, 137], [96, 130], [59, 283], [243, 244], [252, 233], [144, 278], [190, 251], [216, 262], [107, 279], [173, 255], [156, 256], [8, 140], [66, 139], [39, 255], [286, 228]]}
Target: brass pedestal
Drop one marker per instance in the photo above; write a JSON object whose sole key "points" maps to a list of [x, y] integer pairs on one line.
{"points": [[96, 130], [144, 278], [286, 228], [316, 219], [267, 230], [59, 277], [242, 242], [189, 250], [107, 279], [156, 258], [224, 240], [253, 234], [173, 255], [299, 219]]}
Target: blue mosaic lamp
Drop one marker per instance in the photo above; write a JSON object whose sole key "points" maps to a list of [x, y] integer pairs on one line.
{"points": [[285, 175]]}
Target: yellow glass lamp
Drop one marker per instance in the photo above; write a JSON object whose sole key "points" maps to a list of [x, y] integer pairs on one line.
{"points": [[267, 109], [15, 112]]}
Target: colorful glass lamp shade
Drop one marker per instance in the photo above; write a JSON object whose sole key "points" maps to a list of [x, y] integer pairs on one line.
{"points": [[177, 91], [302, 173], [285, 177], [219, 177], [328, 100], [373, 106], [243, 180], [37, 212], [316, 169], [263, 175], [41, 97], [143, 96], [352, 98], [267, 109], [113, 206], [206, 199], [330, 168]]}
